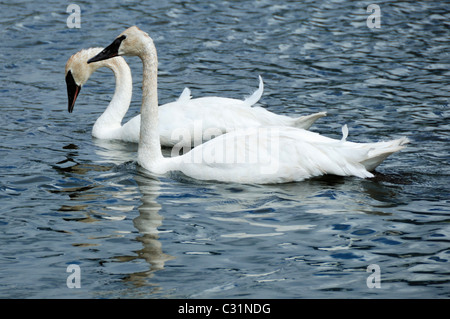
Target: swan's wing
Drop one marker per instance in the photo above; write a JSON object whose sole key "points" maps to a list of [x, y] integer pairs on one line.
{"points": [[207, 116]]}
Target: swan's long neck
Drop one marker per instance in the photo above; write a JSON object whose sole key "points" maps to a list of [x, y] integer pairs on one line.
{"points": [[113, 115], [149, 150]]}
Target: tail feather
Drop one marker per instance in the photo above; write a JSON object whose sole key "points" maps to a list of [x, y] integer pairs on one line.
{"points": [[378, 152], [306, 121], [344, 133], [185, 95], [256, 96]]}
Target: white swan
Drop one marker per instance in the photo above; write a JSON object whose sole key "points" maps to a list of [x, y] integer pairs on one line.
{"points": [[184, 122], [256, 155]]}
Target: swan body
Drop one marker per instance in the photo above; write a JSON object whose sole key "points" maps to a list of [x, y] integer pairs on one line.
{"points": [[266, 155], [262, 155], [184, 122]]}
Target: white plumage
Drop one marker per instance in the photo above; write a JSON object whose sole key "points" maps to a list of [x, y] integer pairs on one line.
{"points": [[271, 154], [184, 122]]}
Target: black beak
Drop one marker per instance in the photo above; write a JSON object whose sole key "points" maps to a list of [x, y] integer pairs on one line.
{"points": [[110, 51], [72, 90]]}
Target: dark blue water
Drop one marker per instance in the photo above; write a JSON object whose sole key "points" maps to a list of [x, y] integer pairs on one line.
{"points": [[67, 198]]}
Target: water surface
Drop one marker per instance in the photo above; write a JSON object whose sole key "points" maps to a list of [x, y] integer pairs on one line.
{"points": [[67, 198]]}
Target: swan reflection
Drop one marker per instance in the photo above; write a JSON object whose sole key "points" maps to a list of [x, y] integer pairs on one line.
{"points": [[147, 223], [149, 220]]}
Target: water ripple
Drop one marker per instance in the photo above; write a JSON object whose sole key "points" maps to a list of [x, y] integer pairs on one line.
{"points": [[67, 198]]}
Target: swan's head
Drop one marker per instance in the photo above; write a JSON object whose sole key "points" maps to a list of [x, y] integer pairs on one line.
{"points": [[130, 42], [78, 72]]}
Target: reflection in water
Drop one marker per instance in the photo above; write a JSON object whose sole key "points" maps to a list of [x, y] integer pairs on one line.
{"points": [[147, 223], [70, 164], [88, 197], [117, 152], [260, 206], [149, 219]]}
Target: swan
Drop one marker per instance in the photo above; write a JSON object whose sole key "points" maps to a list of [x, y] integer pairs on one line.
{"points": [[184, 122], [259, 155]]}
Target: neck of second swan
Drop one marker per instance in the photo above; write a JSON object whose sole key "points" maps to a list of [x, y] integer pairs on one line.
{"points": [[149, 150], [112, 117]]}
